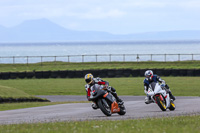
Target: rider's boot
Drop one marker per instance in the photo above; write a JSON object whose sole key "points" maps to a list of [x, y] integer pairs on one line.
{"points": [[171, 96], [94, 106], [119, 101], [148, 100], [170, 93]]}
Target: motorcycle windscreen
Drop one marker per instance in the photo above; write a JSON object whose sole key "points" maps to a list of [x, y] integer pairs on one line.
{"points": [[96, 91], [97, 86], [155, 87], [152, 85]]}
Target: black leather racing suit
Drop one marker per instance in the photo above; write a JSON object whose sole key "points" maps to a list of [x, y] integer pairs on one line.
{"points": [[101, 82]]}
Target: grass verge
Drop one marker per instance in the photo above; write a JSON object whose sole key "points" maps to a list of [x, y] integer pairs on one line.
{"points": [[181, 124], [11, 106], [6, 91], [180, 86], [10, 94], [46, 66]]}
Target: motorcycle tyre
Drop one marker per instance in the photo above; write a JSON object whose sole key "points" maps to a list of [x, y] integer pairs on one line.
{"points": [[160, 104], [122, 110], [102, 108], [172, 106]]}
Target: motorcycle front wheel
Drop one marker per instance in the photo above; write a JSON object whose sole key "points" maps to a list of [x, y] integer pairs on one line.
{"points": [[161, 103], [172, 105], [105, 109]]}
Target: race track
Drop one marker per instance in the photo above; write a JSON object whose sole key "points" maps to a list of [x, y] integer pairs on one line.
{"points": [[136, 108]]}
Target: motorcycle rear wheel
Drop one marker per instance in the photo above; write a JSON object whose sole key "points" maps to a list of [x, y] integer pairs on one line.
{"points": [[161, 103], [104, 109], [122, 110]]}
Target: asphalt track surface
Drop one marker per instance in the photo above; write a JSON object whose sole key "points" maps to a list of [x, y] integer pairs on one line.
{"points": [[135, 106]]}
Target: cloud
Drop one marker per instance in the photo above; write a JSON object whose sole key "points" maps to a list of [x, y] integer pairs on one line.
{"points": [[59, 8], [88, 9], [83, 14], [100, 13], [191, 5]]}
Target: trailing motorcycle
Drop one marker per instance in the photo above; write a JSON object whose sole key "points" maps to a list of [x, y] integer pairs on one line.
{"points": [[160, 96], [106, 101]]}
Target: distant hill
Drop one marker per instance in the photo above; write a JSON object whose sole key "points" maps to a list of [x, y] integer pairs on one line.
{"points": [[43, 30], [169, 35]]}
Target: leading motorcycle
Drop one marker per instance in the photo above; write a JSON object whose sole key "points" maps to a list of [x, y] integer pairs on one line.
{"points": [[106, 101], [160, 96]]}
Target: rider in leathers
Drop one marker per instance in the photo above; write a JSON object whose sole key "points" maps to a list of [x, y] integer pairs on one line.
{"points": [[150, 77], [90, 80]]}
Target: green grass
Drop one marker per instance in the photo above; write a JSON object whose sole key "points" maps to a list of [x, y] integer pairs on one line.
{"points": [[181, 124], [6, 91], [180, 86], [11, 106], [98, 65]]}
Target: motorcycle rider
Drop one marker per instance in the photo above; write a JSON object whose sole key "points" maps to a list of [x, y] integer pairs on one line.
{"points": [[90, 80], [150, 77]]}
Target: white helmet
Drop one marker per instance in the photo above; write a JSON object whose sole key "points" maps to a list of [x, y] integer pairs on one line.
{"points": [[148, 74]]}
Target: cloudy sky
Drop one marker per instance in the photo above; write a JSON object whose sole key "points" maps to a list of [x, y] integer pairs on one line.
{"points": [[114, 16]]}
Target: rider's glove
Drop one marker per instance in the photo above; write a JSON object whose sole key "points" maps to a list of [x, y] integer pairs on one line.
{"points": [[166, 86], [109, 88], [94, 93], [89, 99], [162, 85]]}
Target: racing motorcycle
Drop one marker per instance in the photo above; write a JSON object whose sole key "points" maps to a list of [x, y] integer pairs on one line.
{"points": [[106, 101], [160, 96]]}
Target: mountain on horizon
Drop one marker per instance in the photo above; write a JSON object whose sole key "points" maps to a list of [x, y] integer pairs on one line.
{"points": [[43, 30]]}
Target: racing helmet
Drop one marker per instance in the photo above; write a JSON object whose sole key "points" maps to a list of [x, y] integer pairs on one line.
{"points": [[89, 78], [149, 74]]}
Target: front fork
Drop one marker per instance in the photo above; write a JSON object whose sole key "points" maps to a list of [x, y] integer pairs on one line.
{"points": [[163, 98], [108, 97], [114, 105]]}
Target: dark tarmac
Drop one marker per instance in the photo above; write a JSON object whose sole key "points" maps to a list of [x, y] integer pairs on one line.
{"points": [[136, 108]]}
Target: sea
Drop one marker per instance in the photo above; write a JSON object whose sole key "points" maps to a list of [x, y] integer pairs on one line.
{"points": [[99, 51]]}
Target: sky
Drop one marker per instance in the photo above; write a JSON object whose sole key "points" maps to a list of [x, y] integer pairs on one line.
{"points": [[113, 16]]}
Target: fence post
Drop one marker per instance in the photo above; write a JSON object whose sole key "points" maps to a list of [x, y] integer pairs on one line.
{"points": [[13, 59], [192, 57], [96, 58], [151, 57], [137, 57], [27, 60], [165, 57], [68, 58], [178, 57], [82, 58], [55, 60], [41, 60], [124, 58], [110, 57]]}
